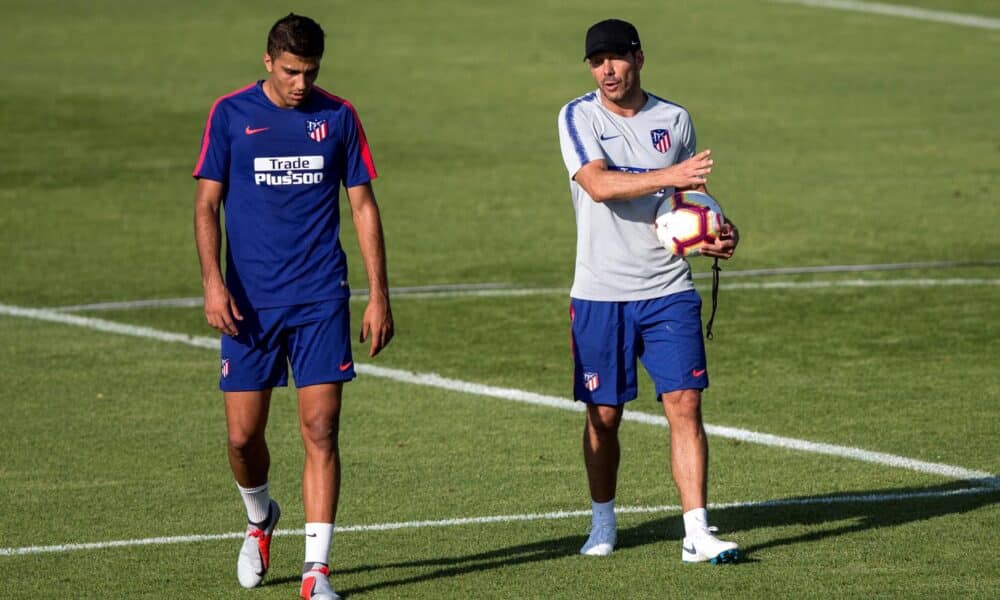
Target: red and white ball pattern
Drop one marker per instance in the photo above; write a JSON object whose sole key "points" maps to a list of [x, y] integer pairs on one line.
{"points": [[687, 221]]}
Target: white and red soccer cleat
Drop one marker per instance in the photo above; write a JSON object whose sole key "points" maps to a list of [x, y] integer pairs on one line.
{"points": [[316, 584], [254, 559]]}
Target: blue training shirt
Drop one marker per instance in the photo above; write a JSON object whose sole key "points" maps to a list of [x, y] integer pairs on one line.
{"points": [[282, 169]]}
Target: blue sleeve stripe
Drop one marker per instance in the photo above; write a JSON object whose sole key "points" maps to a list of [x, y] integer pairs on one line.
{"points": [[624, 169], [207, 135], [574, 134], [665, 101]]}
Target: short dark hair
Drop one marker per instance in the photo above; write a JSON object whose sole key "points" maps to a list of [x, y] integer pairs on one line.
{"points": [[296, 34]]}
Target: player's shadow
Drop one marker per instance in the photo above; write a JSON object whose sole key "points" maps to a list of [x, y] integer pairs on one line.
{"points": [[453, 566], [855, 512], [852, 511]]}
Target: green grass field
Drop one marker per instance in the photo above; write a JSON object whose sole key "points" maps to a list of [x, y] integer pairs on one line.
{"points": [[840, 138]]}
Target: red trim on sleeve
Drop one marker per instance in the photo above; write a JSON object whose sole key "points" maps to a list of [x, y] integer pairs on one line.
{"points": [[208, 126], [366, 153]]}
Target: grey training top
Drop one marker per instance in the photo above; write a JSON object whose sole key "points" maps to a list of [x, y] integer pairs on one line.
{"points": [[618, 256]]}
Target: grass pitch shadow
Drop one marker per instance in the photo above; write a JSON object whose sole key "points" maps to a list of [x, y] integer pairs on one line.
{"points": [[883, 508], [871, 509], [865, 510]]}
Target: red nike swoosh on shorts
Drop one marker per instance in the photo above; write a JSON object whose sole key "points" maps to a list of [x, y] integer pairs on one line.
{"points": [[249, 131], [347, 365], [697, 372]]}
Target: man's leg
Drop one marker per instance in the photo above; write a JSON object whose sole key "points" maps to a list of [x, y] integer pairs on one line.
{"points": [[688, 447], [602, 453], [689, 466], [319, 423], [246, 421]]}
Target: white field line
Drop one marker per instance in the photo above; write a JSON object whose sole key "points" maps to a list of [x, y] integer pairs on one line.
{"points": [[880, 458], [909, 12], [907, 266], [42, 314], [465, 387], [498, 291], [563, 514], [761, 285], [858, 283], [504, 289]]}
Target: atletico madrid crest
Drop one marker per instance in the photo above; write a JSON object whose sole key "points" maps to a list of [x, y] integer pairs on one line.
{"points": [[225, 368], [317, 130], [661, 139], [591, 381]]}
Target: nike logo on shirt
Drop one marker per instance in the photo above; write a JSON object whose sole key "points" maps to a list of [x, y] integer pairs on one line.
{"points": [[249, 131], [605, 138]]}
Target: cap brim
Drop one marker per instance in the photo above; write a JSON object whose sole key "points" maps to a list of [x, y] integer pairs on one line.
{"points": [[621, 49]]}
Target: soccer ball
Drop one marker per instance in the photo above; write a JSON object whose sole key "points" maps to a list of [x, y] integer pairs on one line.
{"points": [[686, 221]]}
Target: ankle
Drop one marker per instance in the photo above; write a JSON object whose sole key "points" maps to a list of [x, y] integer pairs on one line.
{"points": [[696, 523], [603, 513], [308, 567]]}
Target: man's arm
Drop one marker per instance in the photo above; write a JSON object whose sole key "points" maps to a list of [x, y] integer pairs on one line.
{"points": [[604, 185], [692, 174], [220, 308], [377, 319]]}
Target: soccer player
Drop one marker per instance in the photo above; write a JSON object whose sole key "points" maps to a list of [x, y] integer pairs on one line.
{"points": [[627, 150], [275, 154]]}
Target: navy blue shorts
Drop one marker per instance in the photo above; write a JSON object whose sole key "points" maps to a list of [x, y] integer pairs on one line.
{"points": [[664, 333], [315, 338]]}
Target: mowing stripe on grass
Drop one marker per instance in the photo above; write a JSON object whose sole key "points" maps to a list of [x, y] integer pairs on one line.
{"points": [[197, 300], [563, 514], [909, 12], [437, 381]]}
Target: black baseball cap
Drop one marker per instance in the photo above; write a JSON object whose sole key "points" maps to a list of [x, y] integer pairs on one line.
{"points": [[612, 35]]}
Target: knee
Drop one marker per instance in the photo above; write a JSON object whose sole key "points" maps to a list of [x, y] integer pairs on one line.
{"points": [[683, 403], [604, 423], [322, 434], [242, 441]]}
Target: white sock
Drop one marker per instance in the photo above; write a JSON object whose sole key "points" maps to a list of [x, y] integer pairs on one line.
{"points": [[602, 512], [257, 501], [695, 522], [319, 537]]}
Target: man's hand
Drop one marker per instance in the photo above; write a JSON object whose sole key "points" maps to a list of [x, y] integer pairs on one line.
{"points": [[691, 173], [221, 310], [377, 322], [725, 245]]}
